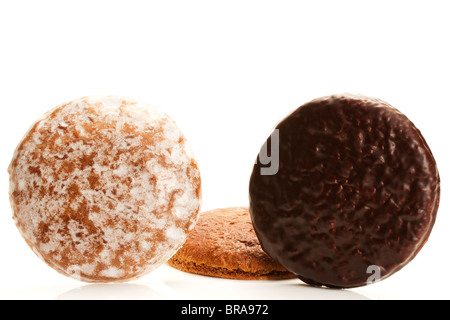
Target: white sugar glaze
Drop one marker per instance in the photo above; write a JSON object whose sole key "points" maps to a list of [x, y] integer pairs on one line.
{"points": [[104, 188]]}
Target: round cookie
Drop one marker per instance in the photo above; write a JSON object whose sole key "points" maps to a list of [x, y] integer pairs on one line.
{"points": [[223, 244], [354, 195], [104, 189]]}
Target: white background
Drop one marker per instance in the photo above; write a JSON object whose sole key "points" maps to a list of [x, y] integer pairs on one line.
{"points": [[226, 72]]}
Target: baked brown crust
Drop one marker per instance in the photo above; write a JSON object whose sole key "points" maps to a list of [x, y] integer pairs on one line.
{"points": [[104, 188], [224, 244]]}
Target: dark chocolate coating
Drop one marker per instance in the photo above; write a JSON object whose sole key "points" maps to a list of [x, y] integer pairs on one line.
{"points": [[357, 186]]}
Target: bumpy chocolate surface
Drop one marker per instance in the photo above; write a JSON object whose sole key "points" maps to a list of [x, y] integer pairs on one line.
{"points": [[357, 190]]}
